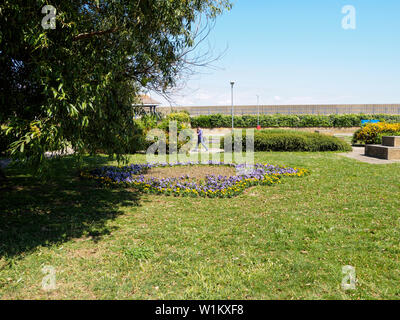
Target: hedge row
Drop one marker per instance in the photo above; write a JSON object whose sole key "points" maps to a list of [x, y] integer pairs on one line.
{"points": [[297, 121], [283, 140]]}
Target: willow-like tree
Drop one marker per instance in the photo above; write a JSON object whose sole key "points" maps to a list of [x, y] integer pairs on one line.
{"points": [[74, 85]]}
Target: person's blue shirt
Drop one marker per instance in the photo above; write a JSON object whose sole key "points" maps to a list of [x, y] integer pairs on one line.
{"points": [[200, 135]]}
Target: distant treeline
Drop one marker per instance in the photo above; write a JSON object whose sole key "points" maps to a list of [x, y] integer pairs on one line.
{"points": [[295, 121]]}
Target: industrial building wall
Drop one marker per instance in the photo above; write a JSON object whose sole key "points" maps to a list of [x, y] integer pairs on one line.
{"points": [[289, 109]]}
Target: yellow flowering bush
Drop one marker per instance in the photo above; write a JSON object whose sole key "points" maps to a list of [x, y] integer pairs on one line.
{"points": [[373, 132]]}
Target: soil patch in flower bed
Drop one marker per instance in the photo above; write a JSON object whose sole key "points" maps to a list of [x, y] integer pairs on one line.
{"points": [[190, 172]]}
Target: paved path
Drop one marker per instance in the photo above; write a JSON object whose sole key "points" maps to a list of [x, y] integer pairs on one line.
{"points": [[210, 150], [358, 153]]}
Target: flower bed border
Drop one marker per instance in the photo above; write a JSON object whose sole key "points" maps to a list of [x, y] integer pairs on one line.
{"points": [[212, 187]]}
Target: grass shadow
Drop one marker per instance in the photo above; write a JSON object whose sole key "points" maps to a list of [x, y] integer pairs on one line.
{"points": [[35, 213]]}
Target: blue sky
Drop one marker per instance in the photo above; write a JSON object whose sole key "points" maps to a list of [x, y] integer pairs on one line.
{"points": [[296, 52]]}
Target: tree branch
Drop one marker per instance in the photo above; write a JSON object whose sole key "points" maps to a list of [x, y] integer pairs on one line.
{"points": [[93, 34]]}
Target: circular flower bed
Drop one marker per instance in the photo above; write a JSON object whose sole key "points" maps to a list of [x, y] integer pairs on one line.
{"points": [[212, 186]]}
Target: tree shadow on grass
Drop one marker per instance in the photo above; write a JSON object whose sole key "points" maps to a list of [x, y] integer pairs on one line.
{"points": [[35, 213]]}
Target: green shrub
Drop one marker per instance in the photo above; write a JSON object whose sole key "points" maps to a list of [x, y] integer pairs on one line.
{"points": [[180, 117], [201, 121], [347, 120], [286, 140], [293, 121], [137, 141], [5, 141], [183, 122], [148, 122], [314, 121]]}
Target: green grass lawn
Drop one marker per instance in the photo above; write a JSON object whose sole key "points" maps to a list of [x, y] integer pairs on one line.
{"points": [[287, 241]]}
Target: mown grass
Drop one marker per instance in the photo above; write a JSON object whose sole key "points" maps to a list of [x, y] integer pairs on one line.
{"points": [[287, 241]]}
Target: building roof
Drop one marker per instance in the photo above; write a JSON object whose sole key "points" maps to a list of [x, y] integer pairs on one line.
{"points": [[147, 101]]}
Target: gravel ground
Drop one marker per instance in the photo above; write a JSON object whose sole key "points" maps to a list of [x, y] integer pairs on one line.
{"points": [[196, 172]]}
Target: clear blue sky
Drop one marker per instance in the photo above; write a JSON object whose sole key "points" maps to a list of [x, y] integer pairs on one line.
{"points": [[296, 52]]}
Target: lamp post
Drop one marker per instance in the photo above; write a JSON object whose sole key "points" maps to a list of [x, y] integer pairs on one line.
{"points": [[232, 84], [258, 111]]}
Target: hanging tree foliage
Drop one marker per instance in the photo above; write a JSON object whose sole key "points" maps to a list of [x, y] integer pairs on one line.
{"points": [[74, 85]]}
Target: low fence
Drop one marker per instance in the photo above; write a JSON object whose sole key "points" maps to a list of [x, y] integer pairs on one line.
{"points": [[288, 109]]}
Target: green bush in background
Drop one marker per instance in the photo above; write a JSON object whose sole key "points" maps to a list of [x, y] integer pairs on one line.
{"points": [[149, 122], [293, 121], [5, 141], [137, 141], [180, 117], [284, 140]]}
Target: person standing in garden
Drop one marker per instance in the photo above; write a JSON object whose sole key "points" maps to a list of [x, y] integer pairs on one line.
{"points": [[200, 139]]}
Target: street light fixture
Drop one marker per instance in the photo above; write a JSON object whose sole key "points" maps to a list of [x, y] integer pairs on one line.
{"points": [[258, 111], [232, 84]]}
